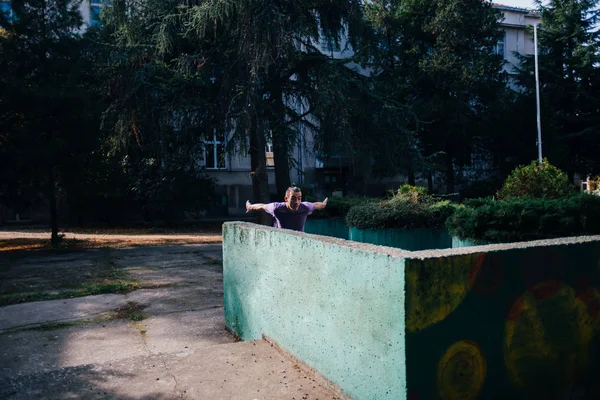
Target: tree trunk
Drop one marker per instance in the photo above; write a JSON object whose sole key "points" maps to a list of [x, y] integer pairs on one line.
{"points": [[411, 177], [282, 165], [55, 239], [449, 173], [258, 163], [429, 182], [280, 143]]}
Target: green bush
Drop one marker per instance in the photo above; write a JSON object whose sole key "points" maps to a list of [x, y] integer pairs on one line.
{"points": [[522, 219], [594, 184], [537, 181], [410, 207], [415, 194]]}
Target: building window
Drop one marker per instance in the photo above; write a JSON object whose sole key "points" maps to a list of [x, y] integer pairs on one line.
{"points": [[499, 48], [328, 45], [215, 155], [270, 156], [95, 8]]}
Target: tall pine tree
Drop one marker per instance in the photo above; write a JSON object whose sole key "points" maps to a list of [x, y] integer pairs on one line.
{"points": [[269, 62], [569, 84], [437, 56], [44, 108]]}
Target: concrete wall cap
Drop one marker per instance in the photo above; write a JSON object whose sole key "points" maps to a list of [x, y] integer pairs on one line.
{"points": [[489, 248], [390, 251], [424, 254]]}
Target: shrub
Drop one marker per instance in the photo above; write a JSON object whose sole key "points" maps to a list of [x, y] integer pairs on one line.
{"points": [[522, 219], [595, 184], [410, 207], [537, 181], [415, 194]]}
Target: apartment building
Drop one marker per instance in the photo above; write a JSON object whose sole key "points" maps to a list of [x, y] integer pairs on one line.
{"points": [[518, 37], [90, 10]]}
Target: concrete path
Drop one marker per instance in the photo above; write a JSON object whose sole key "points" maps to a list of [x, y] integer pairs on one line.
{"points": [[75, 348], [204, 238]]}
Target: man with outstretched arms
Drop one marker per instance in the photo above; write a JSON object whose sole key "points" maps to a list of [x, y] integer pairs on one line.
{"points": [[290, 214]]}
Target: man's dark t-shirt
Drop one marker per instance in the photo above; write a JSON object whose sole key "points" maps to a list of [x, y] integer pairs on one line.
{"points": [[288, 219]]}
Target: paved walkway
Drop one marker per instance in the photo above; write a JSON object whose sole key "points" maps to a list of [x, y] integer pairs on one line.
{"points": [[75, 348], [204, 238]]}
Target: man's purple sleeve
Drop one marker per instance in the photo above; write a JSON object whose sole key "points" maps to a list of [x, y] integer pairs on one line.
{"points": [[270, 208], [310, 206]]}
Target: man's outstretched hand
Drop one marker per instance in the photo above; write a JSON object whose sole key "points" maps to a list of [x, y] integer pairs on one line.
{"points": [[248, 206], [321, 205]]}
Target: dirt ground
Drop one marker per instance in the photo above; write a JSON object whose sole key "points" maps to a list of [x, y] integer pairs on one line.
{"points": [[26, 256], [35, 239], [130, 317]]}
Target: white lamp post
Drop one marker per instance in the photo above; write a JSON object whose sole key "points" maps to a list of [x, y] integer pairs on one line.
{"points": [[537, 94]]}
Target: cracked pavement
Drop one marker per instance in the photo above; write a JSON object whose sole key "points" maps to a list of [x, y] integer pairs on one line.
{"points": [[76, 348]]}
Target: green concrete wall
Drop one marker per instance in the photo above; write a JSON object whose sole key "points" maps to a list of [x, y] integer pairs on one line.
{"points": [[336, 305], [504, 321], [458, 243], [511, 323], [407, 239], [334, 227]]}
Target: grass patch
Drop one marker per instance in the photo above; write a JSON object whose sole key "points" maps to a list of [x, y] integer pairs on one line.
{"points": [[131, 311], [47, 327], [16, 298], [116, 273], [88, 289], [115, 280], [51, 326]]}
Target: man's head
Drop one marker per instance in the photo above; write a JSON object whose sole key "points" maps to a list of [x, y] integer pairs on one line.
{"points": [[293, 198]]}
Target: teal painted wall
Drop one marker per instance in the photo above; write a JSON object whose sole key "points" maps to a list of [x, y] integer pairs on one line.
{"points": [[334, 227], [336, 305], [458, 243], [509, 321], [512, 324], [407, 239]]}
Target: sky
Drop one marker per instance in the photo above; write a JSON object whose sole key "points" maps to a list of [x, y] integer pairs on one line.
{"points": [[516, 3]]}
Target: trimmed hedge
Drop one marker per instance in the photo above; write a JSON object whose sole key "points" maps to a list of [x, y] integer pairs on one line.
{"points": [[409, 208], [522, 219]]}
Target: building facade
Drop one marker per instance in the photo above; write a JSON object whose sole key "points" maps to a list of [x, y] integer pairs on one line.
{"points": [[516, 24]]}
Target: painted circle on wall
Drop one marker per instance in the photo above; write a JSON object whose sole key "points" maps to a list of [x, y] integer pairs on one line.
{"points": [[436, 287], [546, 336], [461, 371]]}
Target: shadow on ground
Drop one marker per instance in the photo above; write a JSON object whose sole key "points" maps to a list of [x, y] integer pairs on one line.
{"points": [[164, 340]]}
